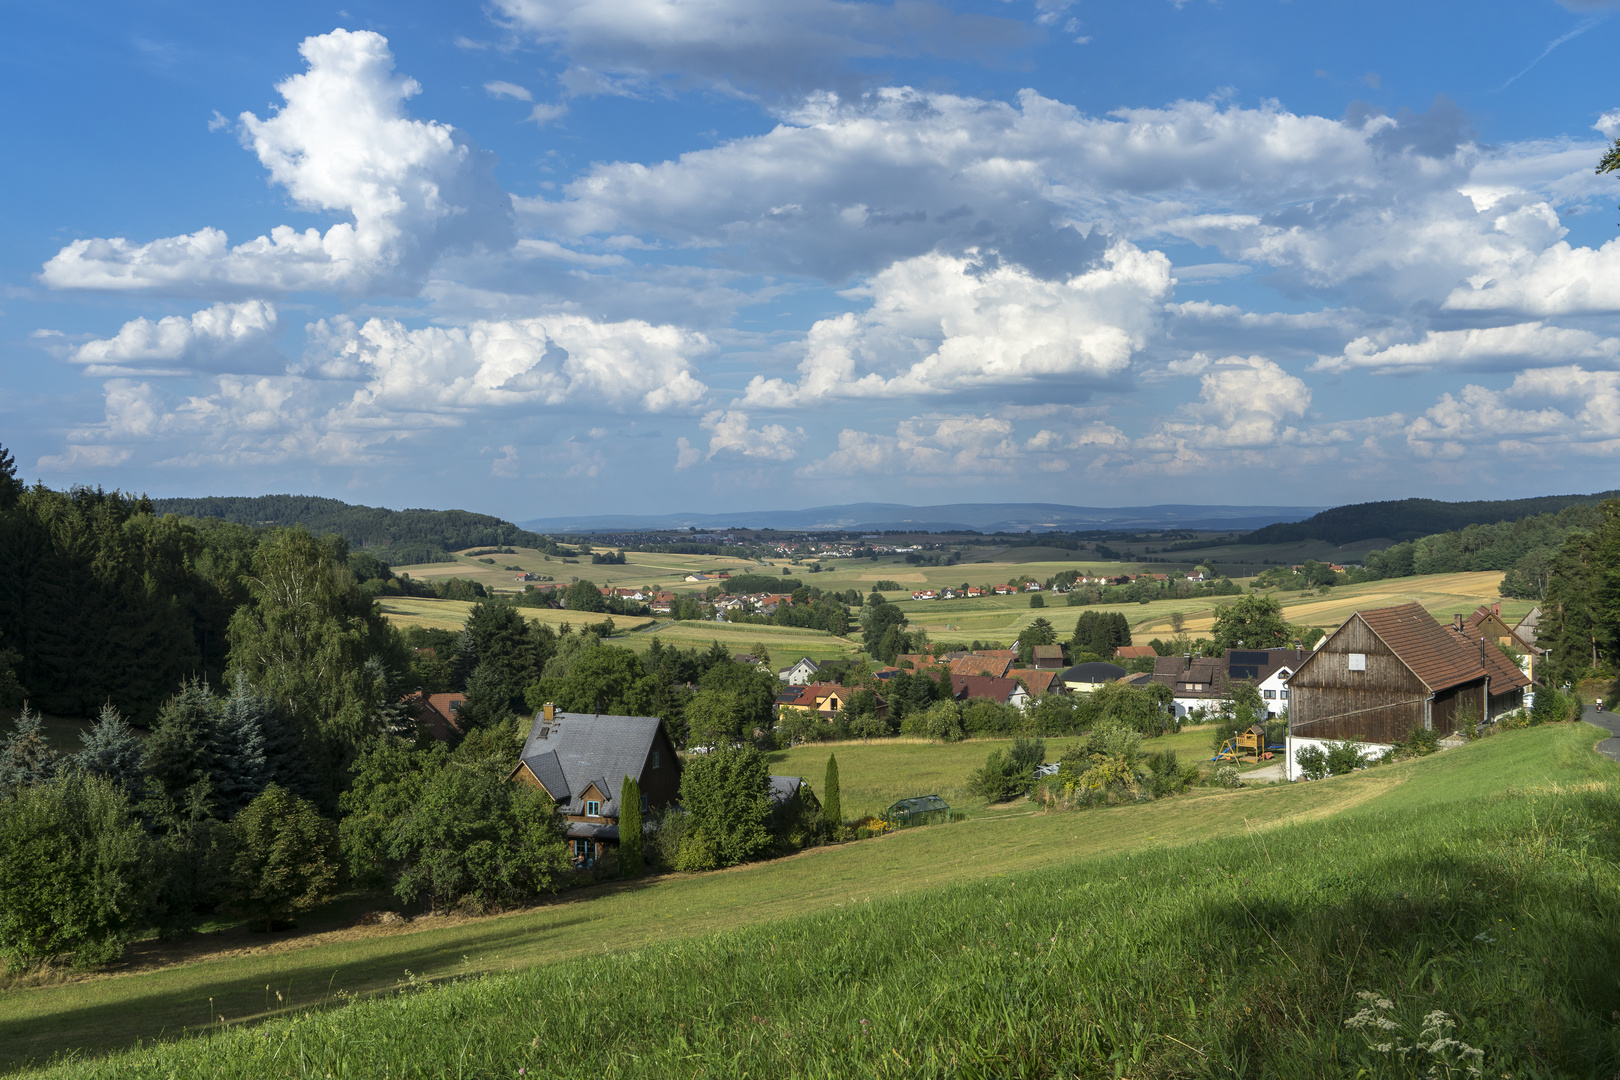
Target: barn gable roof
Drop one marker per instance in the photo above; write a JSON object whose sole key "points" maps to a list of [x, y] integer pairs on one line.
{"points": [[1437, 657]]}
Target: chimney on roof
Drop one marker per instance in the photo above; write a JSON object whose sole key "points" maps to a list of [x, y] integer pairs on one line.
{"points": [[1456, 622], [548, 712]]}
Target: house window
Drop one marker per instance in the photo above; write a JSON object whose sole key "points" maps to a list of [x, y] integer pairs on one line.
{"points": [[657, 755], [644, 803], [582, 848], [1285, 695], [455, 706], [1358, 661], [1269, 695], [593, 809]]}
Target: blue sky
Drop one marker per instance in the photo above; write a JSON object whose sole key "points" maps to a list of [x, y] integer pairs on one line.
{"points": [[547, 257]]}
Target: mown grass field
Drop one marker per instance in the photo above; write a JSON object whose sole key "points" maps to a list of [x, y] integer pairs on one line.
{"points": [[1221, 933]]}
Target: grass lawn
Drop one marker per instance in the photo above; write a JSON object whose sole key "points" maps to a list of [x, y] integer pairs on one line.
{"points": [[1158, 915], [1236, 926]]}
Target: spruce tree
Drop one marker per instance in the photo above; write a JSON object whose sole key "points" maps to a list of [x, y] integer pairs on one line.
{"points": [[236, 743], [25, 757], [631, 858], [832, 810], [113, 750], [11, 691], [178, 758]]}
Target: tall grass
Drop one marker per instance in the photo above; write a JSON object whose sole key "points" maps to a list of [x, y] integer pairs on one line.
{"points": [[1240, 956]]}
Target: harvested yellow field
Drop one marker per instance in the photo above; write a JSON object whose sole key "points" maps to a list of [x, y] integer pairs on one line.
{"points": [[1440, 594], [452, 614]]}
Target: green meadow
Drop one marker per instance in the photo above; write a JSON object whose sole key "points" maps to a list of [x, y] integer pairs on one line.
{"points": [[1219, 933]]}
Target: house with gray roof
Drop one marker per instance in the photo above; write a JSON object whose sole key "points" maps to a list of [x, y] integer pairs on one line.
{"points": [[581, 760]]}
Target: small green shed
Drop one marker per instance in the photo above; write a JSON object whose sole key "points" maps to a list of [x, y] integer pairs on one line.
{"points": [[918, 810]]}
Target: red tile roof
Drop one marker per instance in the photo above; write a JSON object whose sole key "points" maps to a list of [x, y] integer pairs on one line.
{"points": [[1438, 658], [977, 686], [978, 664], [1037, 682], [1134, 652]]}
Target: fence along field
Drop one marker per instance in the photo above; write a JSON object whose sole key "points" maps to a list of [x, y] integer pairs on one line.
{"points": [[1226, 932]]}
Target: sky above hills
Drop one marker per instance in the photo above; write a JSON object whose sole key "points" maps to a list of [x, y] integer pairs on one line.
{"points": [[541, 257]]}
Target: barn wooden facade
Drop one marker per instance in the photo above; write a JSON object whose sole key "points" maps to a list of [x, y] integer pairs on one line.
{"points": [[1388, 672]]}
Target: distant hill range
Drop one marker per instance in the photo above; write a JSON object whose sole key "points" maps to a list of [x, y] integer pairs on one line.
{"points": [[399, 536], [952, 517], [1409, 519]]}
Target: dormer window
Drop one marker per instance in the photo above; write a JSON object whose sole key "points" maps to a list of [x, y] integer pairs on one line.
{"points": [[593, 809]]}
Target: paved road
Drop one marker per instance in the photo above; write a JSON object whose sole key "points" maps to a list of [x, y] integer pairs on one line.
{"points": [[1608, 722]]}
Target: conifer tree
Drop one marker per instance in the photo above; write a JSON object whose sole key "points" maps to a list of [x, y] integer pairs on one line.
{"points": [[631, 858], [178, 758], [831, 809], [25, 757], [236, 742], [111, 749], [11, 691]]}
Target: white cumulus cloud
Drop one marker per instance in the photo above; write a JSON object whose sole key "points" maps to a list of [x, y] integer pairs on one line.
{"points": [[236, 337], [343, 143], [730, 434], [941, 323], [1483, 348], [1549, 412]]}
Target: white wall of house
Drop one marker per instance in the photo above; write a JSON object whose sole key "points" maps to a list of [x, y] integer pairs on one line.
{"points": [[1369, 752], [1274, 691]]}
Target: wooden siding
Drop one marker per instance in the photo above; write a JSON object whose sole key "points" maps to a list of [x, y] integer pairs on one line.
{"points": [[1383, 704], [662, 785]]}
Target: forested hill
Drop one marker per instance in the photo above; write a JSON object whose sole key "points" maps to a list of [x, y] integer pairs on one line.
{"points": [[398, 535], [1410, 519]]}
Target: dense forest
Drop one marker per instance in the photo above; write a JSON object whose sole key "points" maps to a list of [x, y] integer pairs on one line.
{"points": [[1580, 623], [1524, 549], [399, 537], [1412, 519]]}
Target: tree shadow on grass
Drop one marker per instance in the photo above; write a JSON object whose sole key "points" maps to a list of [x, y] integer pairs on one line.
{"points": [[244, 989]]}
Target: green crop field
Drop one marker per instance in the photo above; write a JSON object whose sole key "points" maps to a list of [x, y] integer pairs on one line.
{"points": [[1214, 934]]}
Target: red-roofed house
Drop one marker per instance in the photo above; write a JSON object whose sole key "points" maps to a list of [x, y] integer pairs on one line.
{"points": [[978, 687], [436, 714]]}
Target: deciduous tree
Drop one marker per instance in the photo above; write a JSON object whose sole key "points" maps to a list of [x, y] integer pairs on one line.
{"points": [[284, 858]]}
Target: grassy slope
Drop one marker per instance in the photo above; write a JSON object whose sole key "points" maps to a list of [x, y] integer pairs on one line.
{"points": [[1010, 942]]}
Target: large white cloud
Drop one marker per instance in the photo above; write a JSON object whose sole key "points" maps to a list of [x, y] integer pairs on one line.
{"points": [[233, 337], [1558, 280], [343, 143], [551, 361], [741, 45], [1482, 348], [940, 324], [1393, 211], [1547, 413]]}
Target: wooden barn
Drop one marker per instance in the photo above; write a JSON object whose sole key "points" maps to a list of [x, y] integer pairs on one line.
{"points": [[1391, 671]]}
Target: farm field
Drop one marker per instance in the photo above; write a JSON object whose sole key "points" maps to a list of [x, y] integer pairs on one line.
{"points": [[1440, 594], [1142, 908], [785, 643], [452, 614]]}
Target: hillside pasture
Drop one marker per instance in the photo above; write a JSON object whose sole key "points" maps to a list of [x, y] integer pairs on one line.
{"points": [[154, 997], [1225, 932], [785, 643]]}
